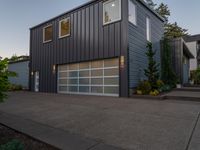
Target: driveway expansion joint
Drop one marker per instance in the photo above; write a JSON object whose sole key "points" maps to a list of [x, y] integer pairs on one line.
{"points": [[193, 131]]}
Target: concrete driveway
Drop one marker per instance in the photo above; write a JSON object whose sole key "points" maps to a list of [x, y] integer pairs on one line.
{"points": [[121, 122]]}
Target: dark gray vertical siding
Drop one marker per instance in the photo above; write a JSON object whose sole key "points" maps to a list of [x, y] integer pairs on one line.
{"points": [[124, 71], [96, 31], [89, 40], [101, 35], [137, 43]]}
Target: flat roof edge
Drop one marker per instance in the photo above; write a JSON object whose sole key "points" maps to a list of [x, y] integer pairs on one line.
{"points": [[90, 2]]}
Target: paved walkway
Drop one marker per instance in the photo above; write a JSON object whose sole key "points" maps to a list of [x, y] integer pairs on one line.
{"points": [[124, 123], [184, 95]]}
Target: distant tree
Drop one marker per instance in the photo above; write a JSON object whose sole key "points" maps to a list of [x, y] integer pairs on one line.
{"points": [[14, 57], [172, 30], [163, 11]]}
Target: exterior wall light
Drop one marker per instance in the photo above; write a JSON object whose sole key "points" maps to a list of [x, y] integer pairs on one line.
{"points": [[122, 62], [54, 69]]}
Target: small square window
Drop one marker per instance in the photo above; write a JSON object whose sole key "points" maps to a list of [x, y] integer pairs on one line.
{"points": [[64, 27], [47, 34], [132, 12], [111, 11]]}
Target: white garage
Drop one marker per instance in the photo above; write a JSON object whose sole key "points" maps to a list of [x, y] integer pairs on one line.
{"points": [[92, 78]]}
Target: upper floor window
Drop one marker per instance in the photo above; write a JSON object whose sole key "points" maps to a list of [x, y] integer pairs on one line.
{"points": [[64, 27], [132, 12], [111, 11], [47, 34], [148, 29]]}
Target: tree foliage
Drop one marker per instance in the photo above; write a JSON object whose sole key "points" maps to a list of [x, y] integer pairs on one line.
{"points": [[151, 72], [4, 74], [163, 11], [167, 73], [172, 30]]}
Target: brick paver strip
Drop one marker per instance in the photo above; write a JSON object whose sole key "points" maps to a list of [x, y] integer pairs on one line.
{"points": [[52, 136]]}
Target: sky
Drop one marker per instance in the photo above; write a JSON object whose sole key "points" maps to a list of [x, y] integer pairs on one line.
{"points": [[17, 16]]}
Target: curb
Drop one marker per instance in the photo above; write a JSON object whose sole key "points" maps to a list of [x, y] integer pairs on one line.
{"points": [[52, 136]]}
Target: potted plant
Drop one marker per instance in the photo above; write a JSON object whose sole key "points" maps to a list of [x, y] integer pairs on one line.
{"points": [[178, 84]]}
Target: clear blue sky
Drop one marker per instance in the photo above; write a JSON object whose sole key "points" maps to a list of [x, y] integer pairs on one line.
{"points": [[17, 16]]}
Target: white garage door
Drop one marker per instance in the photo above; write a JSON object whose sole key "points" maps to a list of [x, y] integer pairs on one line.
{"points": [[91, 78]]}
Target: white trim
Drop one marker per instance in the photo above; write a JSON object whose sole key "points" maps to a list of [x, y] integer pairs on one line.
{"points": [[135, 5], [148, 28], [120, 12], [59, 31], [94, 94], [50, 25]]}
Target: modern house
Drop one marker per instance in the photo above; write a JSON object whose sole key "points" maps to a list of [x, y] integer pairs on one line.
{"points": [[181, 56], [193, 42], [21, 67], [95, 49]]}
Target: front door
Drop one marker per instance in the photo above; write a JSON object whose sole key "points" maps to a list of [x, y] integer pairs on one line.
{"points": [[36, 81]]}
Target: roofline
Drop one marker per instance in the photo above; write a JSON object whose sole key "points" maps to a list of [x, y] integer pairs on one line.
{"points": [[18, 61], [192, 38], [152, 10], [90, 2]]}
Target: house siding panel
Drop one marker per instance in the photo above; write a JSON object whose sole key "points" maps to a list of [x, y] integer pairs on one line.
{"points": [[137, 43], [89, 40]]}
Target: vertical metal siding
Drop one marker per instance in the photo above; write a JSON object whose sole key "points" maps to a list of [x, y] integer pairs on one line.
{"points": [[89, 40]]}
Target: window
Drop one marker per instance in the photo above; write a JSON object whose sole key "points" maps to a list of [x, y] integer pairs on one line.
{"points": [[132, 12], [64, 27], [47, 34], [148, 29], [111, 11]]}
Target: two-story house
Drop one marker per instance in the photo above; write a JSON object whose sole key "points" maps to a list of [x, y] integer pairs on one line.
{"points": [[95, 49]]}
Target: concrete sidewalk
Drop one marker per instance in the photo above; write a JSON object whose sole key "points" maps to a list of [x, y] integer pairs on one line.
{"points": [[103, 121], [184, 95], [55, 137]]}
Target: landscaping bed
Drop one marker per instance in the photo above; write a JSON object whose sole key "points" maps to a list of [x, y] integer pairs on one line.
{"points": [[10, 138]]}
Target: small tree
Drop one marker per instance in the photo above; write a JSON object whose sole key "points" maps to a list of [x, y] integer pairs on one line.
{"points": [[168, 75], [151, 72], [164, 11], [4, 74]]}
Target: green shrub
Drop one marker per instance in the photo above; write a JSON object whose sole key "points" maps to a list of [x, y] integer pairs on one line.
{"points": [[159, 84], [195, 76], [144, 87], [154, 93], [13, 87], [165, 88], [12, 145]]}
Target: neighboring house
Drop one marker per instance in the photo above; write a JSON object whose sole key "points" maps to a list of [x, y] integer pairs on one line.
{"points": [[193, 42], [21, 67], [181, 56], [96, 49]]}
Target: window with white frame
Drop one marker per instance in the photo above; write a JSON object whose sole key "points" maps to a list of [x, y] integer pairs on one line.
{"points": [[64, 27], [47, 33], [132, 12], [111, 11], [148, 29]]}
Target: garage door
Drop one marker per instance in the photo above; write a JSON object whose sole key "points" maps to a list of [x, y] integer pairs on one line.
{"points": [[91, 78]]}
